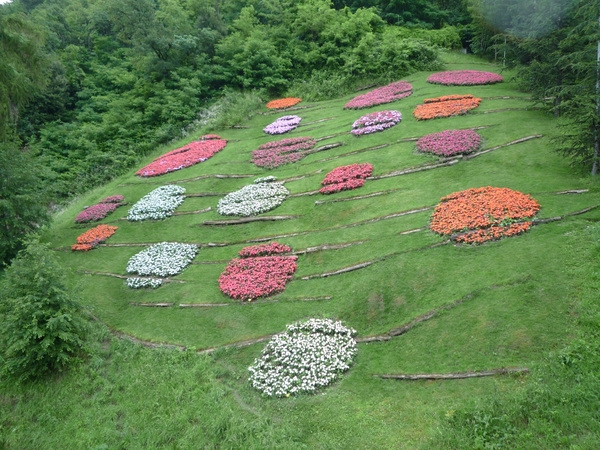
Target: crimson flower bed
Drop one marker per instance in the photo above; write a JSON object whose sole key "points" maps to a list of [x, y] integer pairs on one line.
{"points": [[285, 151], [91, 238], [345, 178], [374, 122], [100, 210], [450, 142], [483, 214], [464, 78], [252, 277], [180, 158], [385, 94]]}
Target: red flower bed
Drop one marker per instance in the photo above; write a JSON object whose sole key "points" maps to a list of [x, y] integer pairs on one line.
{"points": [[274, 248], [282, 103], [484, 214], [385, 94], [91, 238], [96, 212], [278, 153], [193, 153], [346, 178], [464, 78], [446, 106]]}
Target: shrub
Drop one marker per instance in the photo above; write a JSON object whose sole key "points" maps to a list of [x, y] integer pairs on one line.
{"points": [[374, 122], [449, 142], [385, 94], [346, 178]]}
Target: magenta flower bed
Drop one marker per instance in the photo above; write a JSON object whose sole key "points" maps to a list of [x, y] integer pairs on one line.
{"points": [[374, 122], [282, 125], [193, 153], [254, 276], [464, 78], [345, 178], [96, 212], [285, 151], [113, 199], [450, 142], [379, 96]]}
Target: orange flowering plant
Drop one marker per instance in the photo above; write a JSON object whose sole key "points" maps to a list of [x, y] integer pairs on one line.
{"points": [[483, 214], [446, 106], [91, 238], [282, 103]]}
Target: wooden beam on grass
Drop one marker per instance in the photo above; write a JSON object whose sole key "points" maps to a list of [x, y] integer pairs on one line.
{"points": [[248, 220], [454, 375], [152, 305], [517, 141]]}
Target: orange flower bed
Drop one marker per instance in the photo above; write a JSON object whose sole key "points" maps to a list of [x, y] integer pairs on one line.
{"points": [[484, 214], [446, 106], [282, 103], [91, 238]]}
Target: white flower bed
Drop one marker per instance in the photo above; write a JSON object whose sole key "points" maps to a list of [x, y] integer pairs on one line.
{"points": [[139, 283], [158, 204], [162, 260], [307, 356], [262, 196]]}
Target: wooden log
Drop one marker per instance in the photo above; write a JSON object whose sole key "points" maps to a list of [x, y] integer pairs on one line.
{"points": [[304, 194], [324, 247], [236, 344], [301, 177], [155, 305], [203, 305], [517, 141], [416, 230], [124, 277], [206, 194], [358, 197], [238, 127], [414, 170], [355, 152], [331, 136], [454, 376], [340, 271], [198, 211], [573, 191], [324, 147], [316, 121], [248, 220]]}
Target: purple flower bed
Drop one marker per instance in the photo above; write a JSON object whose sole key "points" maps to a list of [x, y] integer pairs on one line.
{"points": [[96, 212], [278, 153], [282, 125], [464, 78], [374, 122], [449, 142], [379, 96]]}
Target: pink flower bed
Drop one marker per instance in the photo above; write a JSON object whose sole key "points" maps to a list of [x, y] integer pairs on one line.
{"points": [[282, 125], [450, 142], [278, 153], [193, 153], [464, 78], [379, 96], [374, 122], [113, 199], [96, 212], [345, 178], [254, 276]]}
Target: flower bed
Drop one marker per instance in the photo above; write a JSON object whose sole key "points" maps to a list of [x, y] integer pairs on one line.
{"points": [[274, 248], [282, 125], [113, 199], [307, 356], [285, 151], [193, 153], [450, 142], [96, 212], [385, 94], [464, 78], [374, 122], [91, 238], [282, 103], [262, 196], [446, 106], [482, 214], [346, 178], [159, 260], [158, 204]]}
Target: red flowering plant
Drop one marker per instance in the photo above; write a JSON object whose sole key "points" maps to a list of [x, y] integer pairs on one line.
{"points": [[283, 103], [449, 142], [253, 275], [385, 94], [346, 178], [285, 151], [180, 158], [91, 238], [464, 78], [483, 214], [446, 106]]}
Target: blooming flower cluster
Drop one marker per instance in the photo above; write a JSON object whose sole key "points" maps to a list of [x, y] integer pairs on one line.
{"points": [[96, 212], [139, 283], [386, 94], [307, 356], [91, 238], [282, 125], [446, 106], [278, 153], [282, 103], [483, 214], [345, 178], [374, 122], [113, 199], [160, 260], [262, 196], [274, 248], [464, 78], [450, 142], [158, 204], [182, 157]]}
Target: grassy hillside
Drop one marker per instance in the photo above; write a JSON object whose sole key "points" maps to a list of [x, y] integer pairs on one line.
{"points": [[502, 304]]}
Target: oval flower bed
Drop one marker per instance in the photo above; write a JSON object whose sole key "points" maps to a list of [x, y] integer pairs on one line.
{"points": [[158, 204], [282, 125], [262, 196], [307, 356], [374, 122], [100, 210], [446, 106], [285, 151], [186, 156], [345, 178], [91, 238], [259, 272], [385, 94], [483, 214], [464, 78], [159, 260], [282, 103], [449, 142]]}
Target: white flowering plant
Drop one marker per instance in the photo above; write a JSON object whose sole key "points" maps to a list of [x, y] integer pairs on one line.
{"points": [[262, 196], [139, 283], [158, 204], [307, 356]]}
